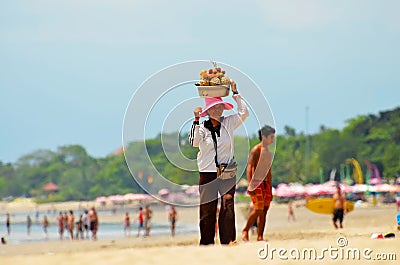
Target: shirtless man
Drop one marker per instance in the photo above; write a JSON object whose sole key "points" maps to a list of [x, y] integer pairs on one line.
{"points": [[127, 225], [172, 216], [70, 224], [339, 207], [290, 211], [8, 223], [94, 222], [147, 214], [260, 182]]}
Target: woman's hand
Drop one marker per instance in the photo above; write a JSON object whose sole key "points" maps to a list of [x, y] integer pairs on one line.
{"points": [[233, 86], [196, 113]]}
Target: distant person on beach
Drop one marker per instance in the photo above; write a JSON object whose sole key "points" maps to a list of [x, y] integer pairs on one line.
{"points": [[70, 224], [260, 182], [66, 221], [86, 223], [60, 224], [37, 214], [374, 201], [398, 221], [147, 215], [45, 226], [214, 138], [8, 223], [94, 222], [28, 224], [339, 207], [127, 225], [79, 228], [397, 198], [140, 220], [172, 216], [291, 211]]}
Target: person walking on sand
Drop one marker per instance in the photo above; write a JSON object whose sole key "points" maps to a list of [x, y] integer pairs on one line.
{"points": [[260, 182], [398, 221], [66, 221], [60, 224], [214, 138], [45, 226], [397, 198], [86, 223], [147, 214], [70, 224], [79, 228], [291, 211], [339, 207], [127, 225], [140, 220], [172, 216], [28, 224], [94, 222], [8, 223]]}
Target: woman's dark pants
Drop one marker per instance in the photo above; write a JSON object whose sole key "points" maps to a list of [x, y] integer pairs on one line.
{"points": [[209, 186]]}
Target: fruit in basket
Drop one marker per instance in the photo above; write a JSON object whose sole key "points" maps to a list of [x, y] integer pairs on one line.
{"points": [[225, 80], [213, 77], [204, 83], [215, 81]]}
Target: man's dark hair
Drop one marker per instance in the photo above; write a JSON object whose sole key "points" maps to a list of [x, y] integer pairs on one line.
{"points": [[266, 130]]}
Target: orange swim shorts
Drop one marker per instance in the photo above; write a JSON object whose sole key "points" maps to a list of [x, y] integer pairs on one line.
{"points": [[262, 197]]}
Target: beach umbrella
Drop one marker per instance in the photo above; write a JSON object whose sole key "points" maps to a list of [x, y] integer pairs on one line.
{"points": [[142, 197], [283, 190], [193, 190], [129, 197], [50, 187], [163, 192], [360, 188], [330, 183], [116, 198], [101, 199], [177, 197], [386, 188], [297, 189], [346, 188], [319, 189]]}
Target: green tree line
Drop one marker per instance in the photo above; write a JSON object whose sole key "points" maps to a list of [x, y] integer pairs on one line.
{"points": [[298, 158]]}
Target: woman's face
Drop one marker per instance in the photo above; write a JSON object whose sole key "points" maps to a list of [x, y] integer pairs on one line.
{"points": [[216, 111]]}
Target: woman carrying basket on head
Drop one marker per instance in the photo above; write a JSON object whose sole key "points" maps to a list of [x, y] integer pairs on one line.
{"points": [[215, 140]]}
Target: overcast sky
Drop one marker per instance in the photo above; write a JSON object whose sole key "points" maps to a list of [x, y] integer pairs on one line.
{"points": [[68, 69]]}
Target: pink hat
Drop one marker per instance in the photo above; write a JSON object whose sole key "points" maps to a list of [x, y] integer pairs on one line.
{"points": [[211, 102]]}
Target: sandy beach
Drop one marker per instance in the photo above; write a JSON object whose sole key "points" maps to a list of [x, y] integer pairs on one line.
{"points": [[286, 241]]}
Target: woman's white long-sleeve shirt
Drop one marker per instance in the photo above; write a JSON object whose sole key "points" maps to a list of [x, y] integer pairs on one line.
{"points": [[200, 136]]}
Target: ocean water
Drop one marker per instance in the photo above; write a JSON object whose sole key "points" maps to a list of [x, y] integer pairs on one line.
{"points": [[20, 235]]}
